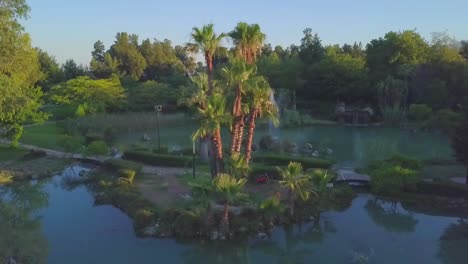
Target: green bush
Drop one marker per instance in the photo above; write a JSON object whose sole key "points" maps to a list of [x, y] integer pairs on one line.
{"points": [[291, 118], [34, 154], [445, 119], [266, 142], [61, 112], [97, 148], [118, 164], [69, 143], [109, 135], [394, 175], [158, 159], [162, 150], [261, 170], [126, 175], [419, 112], [280, 160], [144, 218]]}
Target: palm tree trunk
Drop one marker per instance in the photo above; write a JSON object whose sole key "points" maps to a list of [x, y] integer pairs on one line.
{"points": [[240, 133], [236, 113], [225, 226], [209, 69], [291, 203], [250, 135], [217, 147]]}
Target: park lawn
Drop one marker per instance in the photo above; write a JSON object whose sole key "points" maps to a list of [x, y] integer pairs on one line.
{"points": [[43, 135], [8, 154]]}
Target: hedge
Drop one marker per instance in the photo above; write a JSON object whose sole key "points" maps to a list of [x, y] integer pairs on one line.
{"points": [[448, 189], [260, 170], [281, 160], [158, 159]]}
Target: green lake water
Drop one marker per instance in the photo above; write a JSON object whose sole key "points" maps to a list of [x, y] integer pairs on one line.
{"points": [[51, 222]]}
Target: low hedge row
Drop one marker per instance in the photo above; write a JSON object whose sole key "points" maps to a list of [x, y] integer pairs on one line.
{"points": [[447, 189], [261, 170], [158, 159], [281, 160]]}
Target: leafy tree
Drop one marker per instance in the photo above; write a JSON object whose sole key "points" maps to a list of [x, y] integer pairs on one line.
{"points": [[19, 71], [311, 49], [229, 190], [106, 68], [71, 70], [98, 95], [125, 50], [464, 49], [294, 181], [99, 51], [161, 60], [460, 139], [52, 73], [445, 49]]}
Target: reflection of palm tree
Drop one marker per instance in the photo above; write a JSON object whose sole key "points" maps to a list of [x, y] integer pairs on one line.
{"points": [[390, 218], [453, 243], [21, 238]]}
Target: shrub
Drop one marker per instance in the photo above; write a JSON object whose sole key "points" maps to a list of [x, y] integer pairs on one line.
{"points": [[118, 164], [109, 135], [445, 119], [158, 159], [69, 144], [280, 160], [126, 175], [266, 142], [162, 150], [97, 148], [80, 110], [5, 178], [260, 170], [291, 118], [394, 175], [143, 218], [61, 112], [419, 112]]}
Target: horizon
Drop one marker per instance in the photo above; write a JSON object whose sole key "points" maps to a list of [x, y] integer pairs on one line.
{"points": [[62, 29]]}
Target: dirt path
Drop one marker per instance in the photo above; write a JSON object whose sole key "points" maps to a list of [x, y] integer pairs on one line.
{"points": [[160, 185]]}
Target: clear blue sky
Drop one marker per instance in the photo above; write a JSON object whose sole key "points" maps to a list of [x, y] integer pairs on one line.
{"points": [[68, 29]]}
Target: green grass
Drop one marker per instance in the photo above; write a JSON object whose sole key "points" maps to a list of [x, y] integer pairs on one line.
{"points": [[8, 154], [43, 135]]}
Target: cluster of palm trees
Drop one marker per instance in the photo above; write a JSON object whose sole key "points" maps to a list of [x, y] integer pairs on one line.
{"points": [[237, 97]]}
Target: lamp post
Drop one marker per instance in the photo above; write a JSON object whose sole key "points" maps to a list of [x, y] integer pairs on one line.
{"points": [[158, 108]]}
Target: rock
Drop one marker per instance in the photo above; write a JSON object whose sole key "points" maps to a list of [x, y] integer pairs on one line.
{"points": [[214, 235], [330, 185], [329, 151], [150, 230], [11, 261], [315, 154], [262, 235]]}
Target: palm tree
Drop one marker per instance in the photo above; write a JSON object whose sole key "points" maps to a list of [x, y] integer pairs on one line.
{"points": [[259, 94], [248, 41], [271, 208], [212, 117], [237, 166], [209, 43], [294, 181], [235, 75], [229, 190]]}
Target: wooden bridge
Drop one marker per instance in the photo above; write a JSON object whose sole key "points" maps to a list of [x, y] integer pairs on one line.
{"points": [[350, 176]]}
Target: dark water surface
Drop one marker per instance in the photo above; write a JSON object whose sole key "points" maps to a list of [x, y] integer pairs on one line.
{"points": [[51, 222]]}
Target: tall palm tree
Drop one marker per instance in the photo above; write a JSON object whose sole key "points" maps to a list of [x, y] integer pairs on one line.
{"points": [[260, 106], [229, 190], [248, 41], [235, 75], [208, 42], [294, 181], [212, 117]]}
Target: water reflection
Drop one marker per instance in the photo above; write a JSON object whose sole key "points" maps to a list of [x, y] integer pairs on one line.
{"points": [[390, 216], [22, 239], [452, 243]]}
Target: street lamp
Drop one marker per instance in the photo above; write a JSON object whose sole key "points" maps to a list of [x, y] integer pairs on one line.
{"points": [[158, 108]]}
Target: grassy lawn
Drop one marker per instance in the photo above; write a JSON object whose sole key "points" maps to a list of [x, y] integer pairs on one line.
{"points": [[44, 135], [8, 154]]}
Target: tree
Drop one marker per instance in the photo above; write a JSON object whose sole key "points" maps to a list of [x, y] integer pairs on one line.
{"points": [[95, 95], [260, 105], [460, 139], [71, 70], [106, 68], [51, 72], [311, 49], [294, 181], [464, 49], [229, 190], [99, 51], [212, 117], [208, 42], [236, 75], [19, 71], [248, 41], [125, 50]]}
